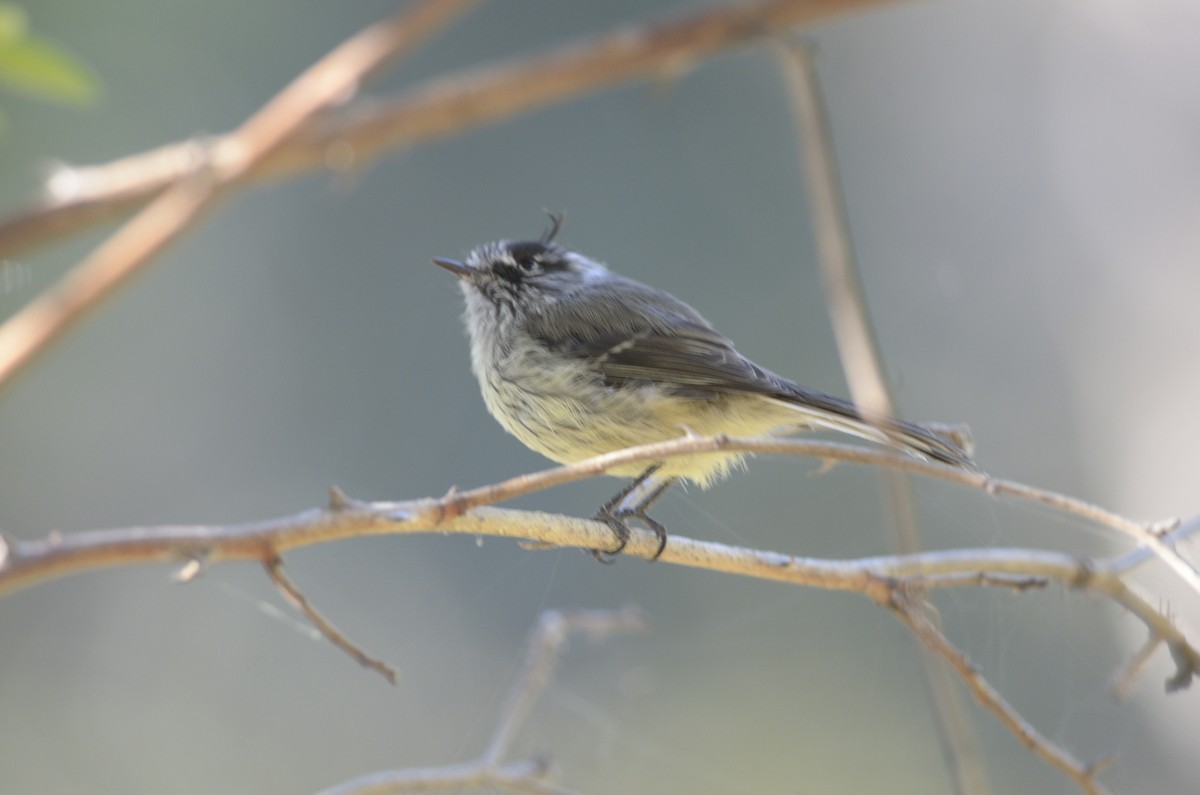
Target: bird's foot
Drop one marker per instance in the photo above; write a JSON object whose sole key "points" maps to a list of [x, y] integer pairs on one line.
{"points": [[618, 520], [632, 502]]}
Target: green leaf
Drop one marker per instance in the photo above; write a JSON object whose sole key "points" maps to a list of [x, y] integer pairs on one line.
{"points": [[12, 23], [37, 67]]}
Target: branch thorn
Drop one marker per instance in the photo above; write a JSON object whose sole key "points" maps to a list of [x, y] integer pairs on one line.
{"points": [[189, 571], [338, 501]]}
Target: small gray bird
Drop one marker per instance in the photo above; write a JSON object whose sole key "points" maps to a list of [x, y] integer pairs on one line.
{"points": [[575, 360]]}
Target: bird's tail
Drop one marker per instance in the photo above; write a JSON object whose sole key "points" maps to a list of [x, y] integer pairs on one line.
{"points": [[917, 440], [948, 445]]}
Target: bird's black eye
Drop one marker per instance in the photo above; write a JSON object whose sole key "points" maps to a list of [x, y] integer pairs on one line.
{"points": [[538, 257], [529, 257], [520, 262]]}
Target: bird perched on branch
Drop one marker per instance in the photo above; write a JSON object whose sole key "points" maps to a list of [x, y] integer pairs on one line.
{"points": [[575, 360]]}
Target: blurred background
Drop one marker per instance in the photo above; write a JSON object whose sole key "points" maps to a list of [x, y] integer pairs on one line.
{"points": [[1023, 184]]}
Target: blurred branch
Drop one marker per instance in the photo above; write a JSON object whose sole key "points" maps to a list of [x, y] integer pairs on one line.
{"points": [[861, 361], [852, 330], [1169, 532], [1123, 683], [82, 197], [332, 80], [544, 648], [524, 777], [542, 653]]}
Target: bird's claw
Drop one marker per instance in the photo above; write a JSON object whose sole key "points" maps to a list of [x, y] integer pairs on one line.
{"points": [[618, 522]]}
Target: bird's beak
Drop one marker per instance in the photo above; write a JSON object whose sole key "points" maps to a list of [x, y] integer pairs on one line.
{"points": [[454, 266]]}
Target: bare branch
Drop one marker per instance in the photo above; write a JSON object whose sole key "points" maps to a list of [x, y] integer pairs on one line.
{"points": [[542, 653], [274, 569], [828, 451], [914, 617], [439, 108], [332, 80], [24, 563], [29, 562]]}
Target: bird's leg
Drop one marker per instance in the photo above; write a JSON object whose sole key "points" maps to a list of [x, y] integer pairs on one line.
{"points": [[632, 502], [649, 493], [608, 514]]}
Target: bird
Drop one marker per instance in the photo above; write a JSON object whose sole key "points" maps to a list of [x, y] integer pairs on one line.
{"points": [[576, 360]]}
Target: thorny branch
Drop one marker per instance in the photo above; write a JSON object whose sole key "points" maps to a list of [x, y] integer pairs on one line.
{"points": [[542, 653], [25, 563]]}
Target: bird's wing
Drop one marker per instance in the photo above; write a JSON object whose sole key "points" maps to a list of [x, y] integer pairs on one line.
{"points": [[694, 360], [635, 334]]}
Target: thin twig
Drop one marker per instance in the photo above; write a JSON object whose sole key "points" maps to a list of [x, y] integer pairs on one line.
{"points": [[442, 107], [542, 653], [914, 617], [274, 569], [858, 349], [1123, 683], [332, 80]]}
